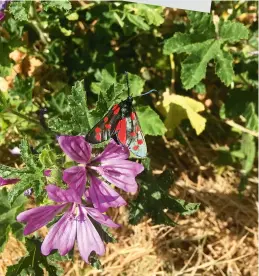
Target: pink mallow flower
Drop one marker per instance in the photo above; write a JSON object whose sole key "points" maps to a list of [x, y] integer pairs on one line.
{"points": [[75, 224], [111, 165]]}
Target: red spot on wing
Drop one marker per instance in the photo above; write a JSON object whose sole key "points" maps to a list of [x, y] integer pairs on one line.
{"points": [[116, 111], [132, 116], [135, 147], [107, 126], [98, 136], [132, 134], [105, 119], [140, 142], [97, 130], [121, 128], [115, 106]]}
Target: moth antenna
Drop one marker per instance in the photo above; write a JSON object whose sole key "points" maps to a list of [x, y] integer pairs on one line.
{"points": [[150, 91], [127, 79]]}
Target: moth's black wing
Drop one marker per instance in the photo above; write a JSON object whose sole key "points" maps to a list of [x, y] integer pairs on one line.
{"points": [[105, 128]]}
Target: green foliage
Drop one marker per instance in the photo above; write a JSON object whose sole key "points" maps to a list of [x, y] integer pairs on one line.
{"points": [[30, 177], [59, 5], [48, 157], [34, 262], [8, 215], [153, 199], [9, 172], [150, 122], [76, 120], [20, 9], [27, 155], [248, 149], [203, 44], [23, 88]]}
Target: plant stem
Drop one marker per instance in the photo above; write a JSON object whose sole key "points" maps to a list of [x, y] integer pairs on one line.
{"points": [[239, 127], [36, 24], [18, 114], [172, 64]]}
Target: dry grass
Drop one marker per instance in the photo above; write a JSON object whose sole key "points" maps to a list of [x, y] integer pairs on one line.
{"points": [[221, 239]]}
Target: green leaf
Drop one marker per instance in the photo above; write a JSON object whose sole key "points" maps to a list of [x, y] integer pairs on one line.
{"points": [[27, 156], [200, 88], [232, 31], [153, 199], [33, 261], [248, 148], [20, 9], [150, 122], [95, 262], [106, 78], [48, 157], [61, 126], [202, 45], [8, 215], [224, 67], [152, 14], [17, 189], [136, 84], [179, 43], [78, 106], [76, 119], [73, 16], [9, 172], [236, 104], [251, 117], [23, 88], [194, 66], [202, 23], [138, 21], [59, 5]]}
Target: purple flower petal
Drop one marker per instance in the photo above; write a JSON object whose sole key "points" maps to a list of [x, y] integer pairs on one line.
{"points": [[121, 173], [38, 217], [59, 195], [103, 196], [76, 148], [2, 15], [3, 4], [47, 173], [5, 181], [101, 218], [112, 151], [88, 238], [61, 236], [75, 177]]}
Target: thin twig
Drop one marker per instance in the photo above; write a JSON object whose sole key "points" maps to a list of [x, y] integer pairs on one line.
{"points": [[172, 64], [196, 159], [243, 129]]}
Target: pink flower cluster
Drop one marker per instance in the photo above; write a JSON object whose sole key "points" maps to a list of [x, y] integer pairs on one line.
{"points": [[83, 207]]}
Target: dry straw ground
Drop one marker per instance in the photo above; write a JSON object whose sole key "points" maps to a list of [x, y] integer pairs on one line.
{"points": [[220, 239]]}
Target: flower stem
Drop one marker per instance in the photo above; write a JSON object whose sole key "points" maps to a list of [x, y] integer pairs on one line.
{"points": [[18, 114]]}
